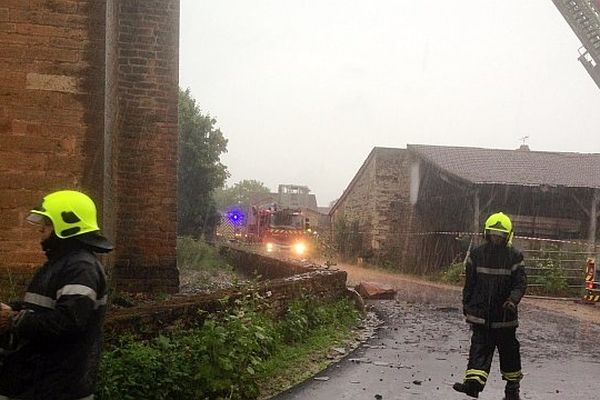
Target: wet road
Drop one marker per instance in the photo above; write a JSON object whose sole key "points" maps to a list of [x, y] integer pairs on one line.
{"points": [[421, 350]]}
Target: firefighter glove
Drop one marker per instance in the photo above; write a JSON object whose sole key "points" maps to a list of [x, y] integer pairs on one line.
{"points": [[510, 306], [6, 319]]}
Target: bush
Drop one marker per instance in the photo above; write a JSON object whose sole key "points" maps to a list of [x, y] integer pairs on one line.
{"points": [[553, 278], [220, 360], [453, 274], [548, 277], [217, 361], [304, 314], [197, 254]]}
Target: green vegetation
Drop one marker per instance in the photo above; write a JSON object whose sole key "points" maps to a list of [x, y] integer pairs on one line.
{"points": [[198, 255], [552, 269], [453, 274], [547, 271], [554, 279], [200, 169], [201, 268], [550, 279], [294, 362], [228, 356], [241, 194]]}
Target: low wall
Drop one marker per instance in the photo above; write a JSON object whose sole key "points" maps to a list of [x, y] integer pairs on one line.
{"points": [[188, 311], [253, 264]]}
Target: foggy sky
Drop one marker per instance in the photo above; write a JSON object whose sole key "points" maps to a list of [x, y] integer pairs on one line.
{"points": [[304, 90]]}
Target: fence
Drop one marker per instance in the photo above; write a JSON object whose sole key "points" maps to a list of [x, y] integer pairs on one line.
{"points": [[555, 265]]}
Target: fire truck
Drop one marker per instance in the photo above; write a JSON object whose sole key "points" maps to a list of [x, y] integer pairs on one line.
{"points": [[283, 230]]}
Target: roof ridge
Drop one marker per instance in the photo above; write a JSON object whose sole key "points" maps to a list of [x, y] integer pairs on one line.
{"points": [[502, 150]]}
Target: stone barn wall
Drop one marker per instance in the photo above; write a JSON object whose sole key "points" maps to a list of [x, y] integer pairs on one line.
{"points": [[379, 197], [357, 202]]}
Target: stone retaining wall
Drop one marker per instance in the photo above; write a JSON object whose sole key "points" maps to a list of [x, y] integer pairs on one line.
{"points": [[292, 280]]}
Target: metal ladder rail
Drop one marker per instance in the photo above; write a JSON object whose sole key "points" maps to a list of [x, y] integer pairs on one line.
{"points": [[583, 17], [584, 20]]}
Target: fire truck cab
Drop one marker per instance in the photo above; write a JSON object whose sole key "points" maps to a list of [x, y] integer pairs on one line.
{"points": [[280, 230]]}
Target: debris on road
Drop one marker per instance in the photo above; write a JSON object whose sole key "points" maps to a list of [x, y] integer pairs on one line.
{"points": [[375, 291]]}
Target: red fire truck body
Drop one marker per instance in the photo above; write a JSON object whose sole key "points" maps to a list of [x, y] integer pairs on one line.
{"points": [[279, 230]]}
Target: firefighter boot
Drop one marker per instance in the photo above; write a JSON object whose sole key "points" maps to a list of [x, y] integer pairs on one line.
{"points": [[469, 388], [511, 391]]}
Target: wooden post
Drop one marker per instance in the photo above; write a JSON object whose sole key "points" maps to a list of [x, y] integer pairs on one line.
{"points": [[476, 211], [593, 221]]}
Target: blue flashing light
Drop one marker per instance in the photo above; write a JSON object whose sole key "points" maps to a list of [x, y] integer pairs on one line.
{"points": [[236, 216]]}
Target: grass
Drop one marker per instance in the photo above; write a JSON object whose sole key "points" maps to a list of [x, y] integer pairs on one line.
{"points": [[195, 254], [293, 364], [201, 267], [239, 354]]}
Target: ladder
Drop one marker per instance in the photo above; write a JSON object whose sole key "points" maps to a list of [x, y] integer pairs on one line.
{"points": [[583, 17]]}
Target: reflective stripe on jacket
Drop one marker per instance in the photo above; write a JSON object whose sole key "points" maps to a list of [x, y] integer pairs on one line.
{"points": [[59, 330], [493, 275]]}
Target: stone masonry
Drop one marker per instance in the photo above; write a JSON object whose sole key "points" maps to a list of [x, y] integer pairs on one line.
{"points": [[88, 101], [378, 197]]}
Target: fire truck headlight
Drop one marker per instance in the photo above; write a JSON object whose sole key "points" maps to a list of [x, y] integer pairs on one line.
{"points": [[299, 248], [269, 247]]}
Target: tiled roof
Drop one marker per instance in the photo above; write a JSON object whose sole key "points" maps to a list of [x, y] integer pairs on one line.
{"points": [[514, 167]]}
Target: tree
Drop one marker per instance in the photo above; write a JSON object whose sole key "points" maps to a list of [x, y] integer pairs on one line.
{"points": [[241, 194], [200, 167]]}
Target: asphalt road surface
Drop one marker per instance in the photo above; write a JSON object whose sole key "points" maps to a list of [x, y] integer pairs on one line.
{"points": [[421, 350]]}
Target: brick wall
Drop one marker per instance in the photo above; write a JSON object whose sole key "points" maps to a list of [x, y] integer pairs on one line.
{"points": [[148, 45], [51, 64], [88, 100], [111, 122]]}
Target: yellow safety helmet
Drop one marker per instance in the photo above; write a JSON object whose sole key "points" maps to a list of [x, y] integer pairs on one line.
{"points": [[72, 213], [499, 224]]}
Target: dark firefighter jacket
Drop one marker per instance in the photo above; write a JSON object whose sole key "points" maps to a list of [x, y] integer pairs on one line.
{"points": [[494, 274], [58, 330]]}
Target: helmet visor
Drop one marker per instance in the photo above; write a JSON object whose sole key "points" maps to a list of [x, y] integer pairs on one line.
{"points": [[38, 219], [494, 232]]}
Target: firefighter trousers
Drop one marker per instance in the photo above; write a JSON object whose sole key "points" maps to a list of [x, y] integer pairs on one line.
{"points": [[484, 341]]}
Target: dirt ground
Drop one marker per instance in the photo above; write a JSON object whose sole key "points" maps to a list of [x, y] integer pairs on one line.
{"points": [[422, 349], [358, 274]]}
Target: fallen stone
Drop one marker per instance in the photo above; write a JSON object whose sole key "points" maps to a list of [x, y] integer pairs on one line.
{"points": [[375, 291], [360, 360], [381, 363]]}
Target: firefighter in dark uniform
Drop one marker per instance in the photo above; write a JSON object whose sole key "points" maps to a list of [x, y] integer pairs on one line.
{"points": [[495, 282], [50, 341]]}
